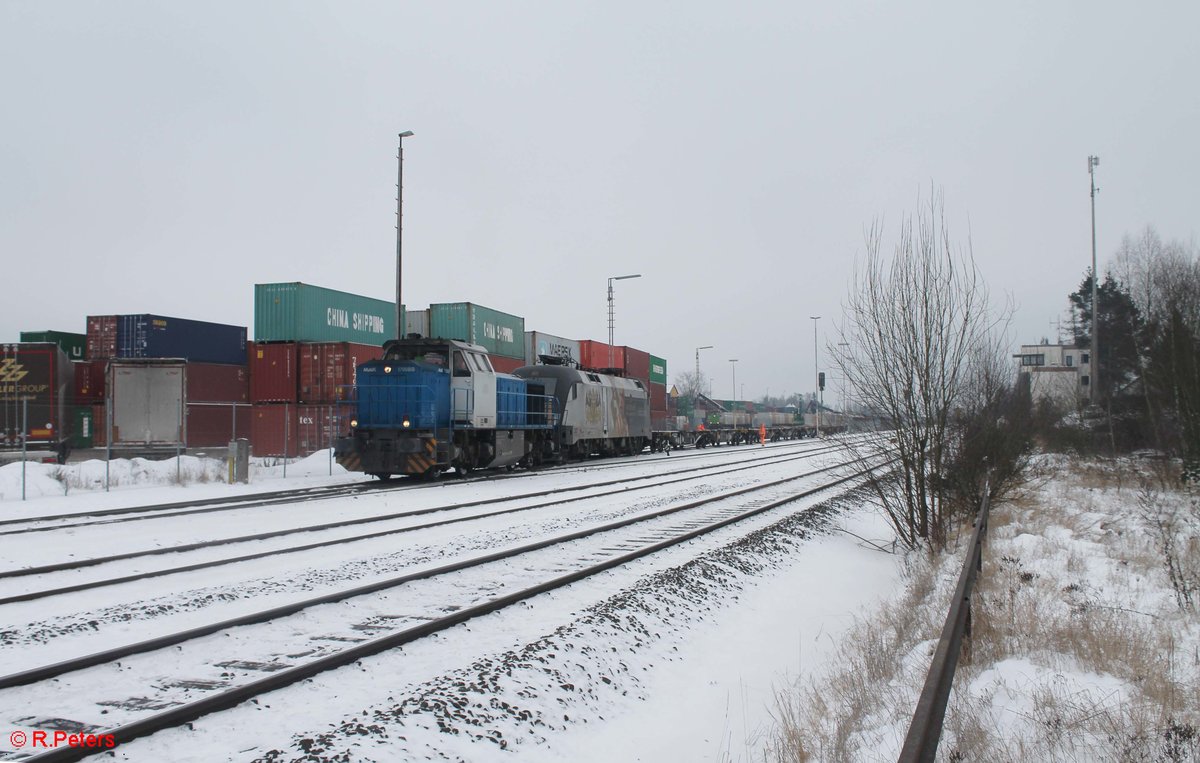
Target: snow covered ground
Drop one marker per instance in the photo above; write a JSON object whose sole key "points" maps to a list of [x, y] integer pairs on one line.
{"points": [[677, 657], [1082, 648]]}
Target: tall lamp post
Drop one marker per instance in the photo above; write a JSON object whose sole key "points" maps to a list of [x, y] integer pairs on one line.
{"points": [[1093, 163], [698, 349], [610, 314], [733, 369], [816, 374], [400, 230]]}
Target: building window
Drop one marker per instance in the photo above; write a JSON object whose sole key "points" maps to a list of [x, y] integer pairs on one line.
{"points": [[1033, 360], [1083, 381], [1083, 358], [1070, 360]]}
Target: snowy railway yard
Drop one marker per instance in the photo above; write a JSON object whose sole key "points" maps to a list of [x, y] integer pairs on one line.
{"points": [[571, 612]]}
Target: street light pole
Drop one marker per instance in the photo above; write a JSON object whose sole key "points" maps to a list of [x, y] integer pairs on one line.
{"points": [[733, 369], [698, 349], [610, 314], [400, 230], [1093, 162], [816, 373]]}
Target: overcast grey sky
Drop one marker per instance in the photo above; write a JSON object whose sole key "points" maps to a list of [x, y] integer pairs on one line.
{"points": [[164, 156]]}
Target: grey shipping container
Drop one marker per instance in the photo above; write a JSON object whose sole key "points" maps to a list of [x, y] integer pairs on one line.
{"points": [[499, 333], [416, 322], [147, 399], [298, 312], [540, 343]]}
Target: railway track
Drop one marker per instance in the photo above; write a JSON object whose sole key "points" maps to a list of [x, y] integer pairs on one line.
{"points": [[374, 626], [611, 487], [51, 522]]}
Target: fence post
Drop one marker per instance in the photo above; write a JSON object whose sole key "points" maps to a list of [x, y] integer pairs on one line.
{"points": [[24, 439], [178, 443], [108, 435], [925, 731]]}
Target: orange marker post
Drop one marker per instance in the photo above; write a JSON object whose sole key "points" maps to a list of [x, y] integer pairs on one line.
{"points": [[762, 434]]}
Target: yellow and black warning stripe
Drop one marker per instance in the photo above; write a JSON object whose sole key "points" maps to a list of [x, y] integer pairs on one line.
{"points": [[419, 463]]}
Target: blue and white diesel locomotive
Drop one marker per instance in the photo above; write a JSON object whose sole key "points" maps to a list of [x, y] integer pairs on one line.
{"points": [[430, 405]]}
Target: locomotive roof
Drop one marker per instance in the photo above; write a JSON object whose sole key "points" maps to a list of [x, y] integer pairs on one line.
{"points": [[571, 374], [425, 341]]}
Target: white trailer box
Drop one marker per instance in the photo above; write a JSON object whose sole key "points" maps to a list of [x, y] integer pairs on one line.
{"points": [[148, 399]]}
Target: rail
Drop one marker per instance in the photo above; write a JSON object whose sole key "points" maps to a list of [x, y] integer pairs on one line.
{"points": [[926, 729]]}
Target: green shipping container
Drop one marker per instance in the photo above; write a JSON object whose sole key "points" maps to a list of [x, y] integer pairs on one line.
{"points": [[658, 371], [83, 436], [499, 333], [298, 312], [75, 345]]}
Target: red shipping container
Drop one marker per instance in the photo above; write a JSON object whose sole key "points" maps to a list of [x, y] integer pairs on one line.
{"points": [[90, 381], [637, 364], [658, 396], [101, 337], [594, 355], [309, 428], [211, 425], [273, 373], [505, 365], [217, 382], [328, 369], [99, 425]]}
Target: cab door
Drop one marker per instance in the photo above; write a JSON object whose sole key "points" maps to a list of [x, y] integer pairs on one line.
{"points": [[484, 414], [462, 388]]}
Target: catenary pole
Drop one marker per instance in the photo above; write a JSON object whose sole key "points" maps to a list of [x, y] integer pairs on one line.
{"points": [[1093, 162], [400, 231]]}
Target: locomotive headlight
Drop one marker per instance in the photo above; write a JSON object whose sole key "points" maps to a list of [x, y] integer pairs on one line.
{"points": [[387, 369], [354, 423], [406, 423]]}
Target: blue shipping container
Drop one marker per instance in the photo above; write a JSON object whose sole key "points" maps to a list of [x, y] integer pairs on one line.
{"points": [[157, 336]]}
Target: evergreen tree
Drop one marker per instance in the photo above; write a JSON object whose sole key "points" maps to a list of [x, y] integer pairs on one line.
{"points": [[1120, 329]]}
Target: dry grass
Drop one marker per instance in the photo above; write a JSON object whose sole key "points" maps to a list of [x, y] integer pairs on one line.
{"points": [[1080, 650]]}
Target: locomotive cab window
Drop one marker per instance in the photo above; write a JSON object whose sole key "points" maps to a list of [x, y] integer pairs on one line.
{"points": [[460, 365], [482, 362], [421, 355]]}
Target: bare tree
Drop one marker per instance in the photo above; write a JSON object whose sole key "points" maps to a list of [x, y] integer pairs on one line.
{"points": [[691, 385], [1164, 282], [918, 323]]}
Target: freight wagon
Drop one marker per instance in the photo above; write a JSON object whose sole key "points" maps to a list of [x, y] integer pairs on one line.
{"points": [[36, 384]]}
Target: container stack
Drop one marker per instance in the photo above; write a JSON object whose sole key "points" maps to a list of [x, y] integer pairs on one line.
{"points": [[167, 381], [660, 401], [308, 344]]}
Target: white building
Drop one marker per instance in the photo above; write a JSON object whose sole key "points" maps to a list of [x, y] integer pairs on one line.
{"points": [[1058, 372]]}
